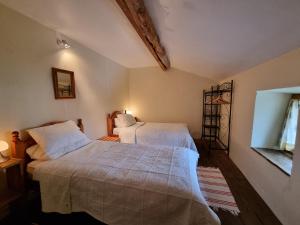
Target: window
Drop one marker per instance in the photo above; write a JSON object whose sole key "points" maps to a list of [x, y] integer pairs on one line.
{"points": [[275, 125], [287, 139]]}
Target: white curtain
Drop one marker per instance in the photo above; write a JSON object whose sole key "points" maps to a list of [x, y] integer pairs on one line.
{"points": [[289, 131]]}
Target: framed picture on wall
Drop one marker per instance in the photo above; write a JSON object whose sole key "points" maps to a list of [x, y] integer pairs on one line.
{"points": [[63, 83]]}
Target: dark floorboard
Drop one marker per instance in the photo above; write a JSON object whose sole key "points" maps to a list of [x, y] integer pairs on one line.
{"points": [[253, 209]]}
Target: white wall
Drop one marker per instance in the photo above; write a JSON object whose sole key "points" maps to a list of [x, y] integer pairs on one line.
{"points": [[280, 191], [270, 109], [28, 50], [172, 96]]}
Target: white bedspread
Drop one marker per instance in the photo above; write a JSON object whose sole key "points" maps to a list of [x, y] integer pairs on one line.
{"points": [[170, 134], [123, 184]]}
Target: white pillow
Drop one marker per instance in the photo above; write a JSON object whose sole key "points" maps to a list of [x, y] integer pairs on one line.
{"points": [[35, 152], [119, 124], [124, 120], [58, 139]]}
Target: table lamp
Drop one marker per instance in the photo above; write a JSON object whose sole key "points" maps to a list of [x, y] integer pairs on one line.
{"points": [[3, 148], [128, 112]]}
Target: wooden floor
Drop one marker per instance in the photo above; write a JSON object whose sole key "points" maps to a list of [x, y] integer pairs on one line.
{"points": [[253, 209]]}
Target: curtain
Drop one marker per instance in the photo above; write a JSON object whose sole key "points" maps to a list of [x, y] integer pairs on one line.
{"points": [[288, 134]]}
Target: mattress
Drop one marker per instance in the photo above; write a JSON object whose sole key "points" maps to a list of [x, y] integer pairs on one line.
{"points": [[32, 166]]}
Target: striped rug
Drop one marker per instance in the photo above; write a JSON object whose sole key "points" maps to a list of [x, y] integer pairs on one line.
{"points": [[216, 190]]}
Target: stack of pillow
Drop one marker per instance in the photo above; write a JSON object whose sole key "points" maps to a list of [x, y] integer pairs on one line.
{"points": [[124, 120]]}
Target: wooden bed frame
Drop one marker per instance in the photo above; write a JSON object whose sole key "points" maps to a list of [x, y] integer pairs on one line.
{"points": [[19, 146]]}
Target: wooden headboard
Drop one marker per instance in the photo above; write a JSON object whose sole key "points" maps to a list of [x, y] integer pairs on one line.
{"points": [[111, 122], [19, 146]]}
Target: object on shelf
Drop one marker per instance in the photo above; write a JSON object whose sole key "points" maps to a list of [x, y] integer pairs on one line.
{"points": [[217, 101]]}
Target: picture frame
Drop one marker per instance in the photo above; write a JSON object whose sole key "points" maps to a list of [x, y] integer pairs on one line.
{"points": [[63, 83]]}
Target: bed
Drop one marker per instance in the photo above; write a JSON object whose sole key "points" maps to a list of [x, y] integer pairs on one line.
{"points": [[122, 184], [146, 133]]}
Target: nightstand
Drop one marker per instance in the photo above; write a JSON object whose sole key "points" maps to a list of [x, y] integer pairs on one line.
{"points": [[110, 138], [13, 169]]}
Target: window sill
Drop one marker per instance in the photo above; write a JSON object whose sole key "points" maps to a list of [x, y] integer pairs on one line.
{"points": [[281, 160]]}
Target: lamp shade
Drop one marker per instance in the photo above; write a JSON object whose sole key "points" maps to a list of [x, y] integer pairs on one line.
{"points": [[3, 146]]}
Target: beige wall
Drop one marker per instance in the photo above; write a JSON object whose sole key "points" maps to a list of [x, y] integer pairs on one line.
{"points": [[172, 96], [281, 192], [28, 51]]}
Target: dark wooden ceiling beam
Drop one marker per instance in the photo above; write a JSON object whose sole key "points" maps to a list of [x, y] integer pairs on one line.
{"points": [[138, 16]]}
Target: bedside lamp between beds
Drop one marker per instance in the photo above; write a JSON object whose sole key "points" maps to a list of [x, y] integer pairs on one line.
{"points": [[3, 148], [128, 112]]}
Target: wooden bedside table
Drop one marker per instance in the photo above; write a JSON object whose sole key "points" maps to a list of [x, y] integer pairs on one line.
{"points": [[14, 172], [110, 138]]}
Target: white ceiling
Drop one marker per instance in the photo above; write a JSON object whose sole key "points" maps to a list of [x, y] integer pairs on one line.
{"points": [[211, 38]]}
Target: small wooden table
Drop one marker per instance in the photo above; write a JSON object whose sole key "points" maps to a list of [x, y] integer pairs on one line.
{"points": [[14, 172], [110, 138]]}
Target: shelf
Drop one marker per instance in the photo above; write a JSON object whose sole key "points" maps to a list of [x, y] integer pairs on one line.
{"points": [[216, 92], [212, 126], [209, 136], [217, 103], [212, 115]]}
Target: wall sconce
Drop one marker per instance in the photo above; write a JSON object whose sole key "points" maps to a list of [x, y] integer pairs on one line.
{"points": [[3, 148], [62, 43]]}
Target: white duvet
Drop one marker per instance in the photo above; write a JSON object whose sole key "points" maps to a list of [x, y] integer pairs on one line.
{"points": [[170, 134], [123, 184]]}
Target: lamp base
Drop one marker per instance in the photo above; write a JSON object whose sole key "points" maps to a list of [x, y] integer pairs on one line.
{"points": [[3, 159]]}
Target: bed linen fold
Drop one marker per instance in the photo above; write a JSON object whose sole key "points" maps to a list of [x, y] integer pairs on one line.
{"points": [[124, 184]]}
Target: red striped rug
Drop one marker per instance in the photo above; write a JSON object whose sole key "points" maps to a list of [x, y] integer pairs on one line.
{"points": [[216, 190]]}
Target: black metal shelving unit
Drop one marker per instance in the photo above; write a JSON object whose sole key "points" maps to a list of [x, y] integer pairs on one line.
{"points": [[216, 118]]}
